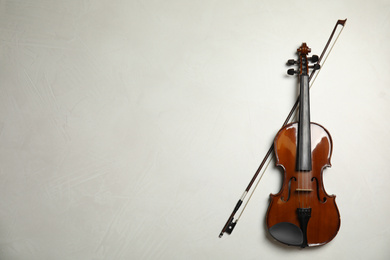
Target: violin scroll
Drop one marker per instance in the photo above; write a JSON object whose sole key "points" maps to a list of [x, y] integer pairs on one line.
{"points": [[303, 61]]}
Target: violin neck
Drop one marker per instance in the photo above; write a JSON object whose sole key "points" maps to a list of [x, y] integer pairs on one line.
{"points": [[304, 136]]}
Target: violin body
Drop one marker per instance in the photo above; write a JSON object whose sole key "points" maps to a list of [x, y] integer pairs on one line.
{"points": [[302, 213], [288, 218]]}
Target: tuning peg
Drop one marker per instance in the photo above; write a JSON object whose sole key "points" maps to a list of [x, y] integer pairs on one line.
{"points": [[291, 72], [314, 58], [291, 62], [315, 66]]}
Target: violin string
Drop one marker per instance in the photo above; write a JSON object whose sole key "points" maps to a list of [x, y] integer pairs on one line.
{"points": [[293, 117]]}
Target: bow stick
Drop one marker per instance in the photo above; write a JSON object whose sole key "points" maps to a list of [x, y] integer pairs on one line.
{"points": [[230, 223]]}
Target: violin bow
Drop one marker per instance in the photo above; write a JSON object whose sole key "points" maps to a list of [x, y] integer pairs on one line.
{"points": [[231, 223]]}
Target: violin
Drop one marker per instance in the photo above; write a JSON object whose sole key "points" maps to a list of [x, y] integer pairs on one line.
{"points": [[302, 213]]}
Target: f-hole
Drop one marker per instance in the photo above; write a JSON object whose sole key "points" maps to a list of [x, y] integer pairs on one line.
{"points": [[289, 189], [318, 190]]}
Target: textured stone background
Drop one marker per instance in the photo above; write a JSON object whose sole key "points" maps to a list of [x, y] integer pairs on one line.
{"points": [[129, 129]]}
